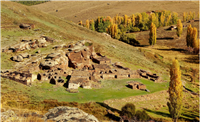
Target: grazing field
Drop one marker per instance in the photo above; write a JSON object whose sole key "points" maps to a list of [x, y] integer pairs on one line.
{"points": [[83, 10], [111, 89]]}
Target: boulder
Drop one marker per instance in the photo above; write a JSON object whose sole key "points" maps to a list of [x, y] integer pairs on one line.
{"points": [[42, 40], [24, 55], [19, 58], [14, 58], [69, 114]]}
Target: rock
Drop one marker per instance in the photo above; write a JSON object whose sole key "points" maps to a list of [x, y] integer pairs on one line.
{"points": [[52, 55], [27, 47], [147, 90], [69, 114], [8, 116], [24, 55], [42, 40], [38, 51], [19, 58], [14, 58]]}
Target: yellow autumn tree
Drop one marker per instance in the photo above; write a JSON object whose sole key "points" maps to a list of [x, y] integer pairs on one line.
{"points": [[188, 37], [194, 40], [179, 28], [152, 34], [115, 30], [139, 19], [168, 21], [175, 91], [162, 19], [92, 25], [125, 20], [184, 16], [87, 24], [112, 30], [133, 20]]}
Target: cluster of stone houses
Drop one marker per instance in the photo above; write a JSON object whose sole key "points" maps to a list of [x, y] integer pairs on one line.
{"points": [[78, 63]]}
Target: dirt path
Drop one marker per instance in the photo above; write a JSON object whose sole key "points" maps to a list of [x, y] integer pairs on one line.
{"points": [[150, 101]]}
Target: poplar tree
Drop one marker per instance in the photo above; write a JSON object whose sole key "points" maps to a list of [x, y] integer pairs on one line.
{"points": [[194, 38], [115, 30], [188, 40], [162, 19], [168, 21], [179, 28], [175, 91], [174, 17], [92, 25], [152, 34], [184, 16], [87, 24], [139, 19], [112, 30], [125, 20], [133, 20], [153, 18]]}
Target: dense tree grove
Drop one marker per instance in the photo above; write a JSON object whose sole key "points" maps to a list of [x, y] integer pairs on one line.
{"points": [[175, 91], [30, 2], [118, 26], [136, 22]]}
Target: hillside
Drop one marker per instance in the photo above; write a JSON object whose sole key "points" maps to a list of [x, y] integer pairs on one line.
{"points": [[65, 31], [83, 10], [42, 96]]}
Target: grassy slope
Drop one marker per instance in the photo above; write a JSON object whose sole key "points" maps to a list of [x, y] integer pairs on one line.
{"points": [[82, 10], [65, 31]]}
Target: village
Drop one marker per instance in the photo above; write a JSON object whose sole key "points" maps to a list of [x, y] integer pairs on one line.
{"points": [[78, 63]]}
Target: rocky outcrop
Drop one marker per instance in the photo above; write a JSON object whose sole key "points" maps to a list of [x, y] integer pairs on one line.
{"points": [[9, 116], [27, 45], [20, 57], [69, 114], [26, 26], [53, 60]]}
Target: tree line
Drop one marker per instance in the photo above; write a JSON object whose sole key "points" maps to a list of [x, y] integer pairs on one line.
{"points": [[118, 26], [30, 2]]}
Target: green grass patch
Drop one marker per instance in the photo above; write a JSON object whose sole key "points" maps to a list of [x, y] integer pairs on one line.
{"points": [[111, 89]]}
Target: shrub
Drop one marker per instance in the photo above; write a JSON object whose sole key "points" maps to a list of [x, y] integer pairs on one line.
{"points": [[135, 29], [128, 110], [142, 115]]}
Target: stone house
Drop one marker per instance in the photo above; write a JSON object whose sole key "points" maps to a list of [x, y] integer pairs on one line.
{"points": [[136, 85]]}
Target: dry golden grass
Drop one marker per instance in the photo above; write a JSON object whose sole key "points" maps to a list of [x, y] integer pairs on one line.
{"points": [[83, 10]]}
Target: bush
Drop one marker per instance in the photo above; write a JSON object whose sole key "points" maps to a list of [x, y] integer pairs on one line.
{"points": [[128, 110], [142, 115], [129, 38], [135, 29]]}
